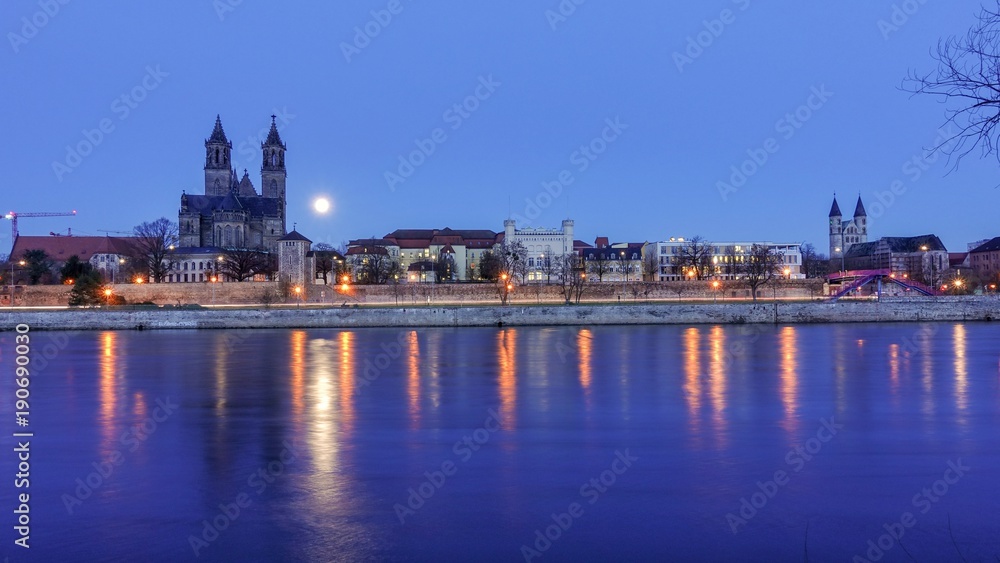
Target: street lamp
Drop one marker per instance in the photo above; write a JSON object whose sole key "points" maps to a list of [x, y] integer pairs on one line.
{"points": [[107, 296], [298, 295], [213, 279], [715, 291], [788, 273]]}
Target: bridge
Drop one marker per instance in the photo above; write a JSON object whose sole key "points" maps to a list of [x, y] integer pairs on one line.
{"points": [[852, 280]]}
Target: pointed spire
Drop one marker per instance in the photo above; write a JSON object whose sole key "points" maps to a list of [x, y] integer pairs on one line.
{"points": [[859, 211], [835, 210], [272, 136], [218, 134]]}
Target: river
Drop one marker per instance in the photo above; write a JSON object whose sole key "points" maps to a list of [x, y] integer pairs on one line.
{"points": [[667, 443]]}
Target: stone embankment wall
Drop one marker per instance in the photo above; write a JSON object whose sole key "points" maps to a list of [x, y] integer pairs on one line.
{"points": [[247, 293], [942, 309]]}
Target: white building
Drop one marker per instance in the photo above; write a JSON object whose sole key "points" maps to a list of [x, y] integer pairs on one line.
{"points": [[724, 260], [543, 245]]}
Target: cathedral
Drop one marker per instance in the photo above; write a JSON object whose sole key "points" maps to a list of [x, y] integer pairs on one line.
{"points": [[232, 214], [845, 234]]}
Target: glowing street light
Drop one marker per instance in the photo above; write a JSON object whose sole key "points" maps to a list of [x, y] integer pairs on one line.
{"points": [[298, 295], [715, 291], [107, 295]]}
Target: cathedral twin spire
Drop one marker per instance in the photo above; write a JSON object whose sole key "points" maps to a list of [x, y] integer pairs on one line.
{"points": [[859, 209], [221, 179]]}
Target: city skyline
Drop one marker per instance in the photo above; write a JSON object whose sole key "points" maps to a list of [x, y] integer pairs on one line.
{"points": [[657, 111]]}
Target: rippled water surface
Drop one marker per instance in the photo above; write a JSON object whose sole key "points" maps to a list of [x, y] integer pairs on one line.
{"points": [[708, 443]]}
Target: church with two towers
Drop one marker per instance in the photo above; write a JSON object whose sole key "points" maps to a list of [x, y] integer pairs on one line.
{"points": [[232, 213], [845, 234]]}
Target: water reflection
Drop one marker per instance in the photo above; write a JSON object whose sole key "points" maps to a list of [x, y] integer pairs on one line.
{"points": [[298, 369], [346, 382], [435, 344], [585, 351], [692, 376], [108, 388], [413, 378], [507, 361], [959, 345], [222, 359], [789, 377], [926, 349], [717, 377], [894, 369]]}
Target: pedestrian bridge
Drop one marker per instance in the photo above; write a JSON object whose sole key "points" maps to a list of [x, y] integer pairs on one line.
{"points": [[852, 280]]}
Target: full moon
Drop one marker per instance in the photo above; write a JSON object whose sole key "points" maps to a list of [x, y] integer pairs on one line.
{"points": [[321, 205]]}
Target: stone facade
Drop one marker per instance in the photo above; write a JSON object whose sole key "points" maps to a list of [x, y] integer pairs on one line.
{"points": [[293, 267], [845, 234], [543, 245], [231, 214]]}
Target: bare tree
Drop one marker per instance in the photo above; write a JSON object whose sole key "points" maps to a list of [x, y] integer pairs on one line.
{"points": [[968, 75], [325, 260], [760, 267], [241, 264], [572, 276], [374, 265], [650, 266], [549, 266], [151, 242], [513, 259], [512, 263], [814, 264], [729, 258], [599, 263], [696, 256]]}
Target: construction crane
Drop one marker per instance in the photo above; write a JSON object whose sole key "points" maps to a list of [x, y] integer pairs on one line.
{"points": [[14, 216]]}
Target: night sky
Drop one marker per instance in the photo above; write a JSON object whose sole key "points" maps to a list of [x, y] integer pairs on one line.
{"points": [[349, 106]]}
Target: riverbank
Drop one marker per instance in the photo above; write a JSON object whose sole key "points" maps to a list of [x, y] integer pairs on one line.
{"points": [[971, 309]]}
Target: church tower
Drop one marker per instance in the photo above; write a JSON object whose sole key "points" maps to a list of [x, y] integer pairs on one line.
{"points": [[272, 170], [218, 150], [836, 231], [861, 221]]}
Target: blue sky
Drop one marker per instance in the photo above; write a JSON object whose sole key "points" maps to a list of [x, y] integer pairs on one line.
{"points": [[546, 87]]}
